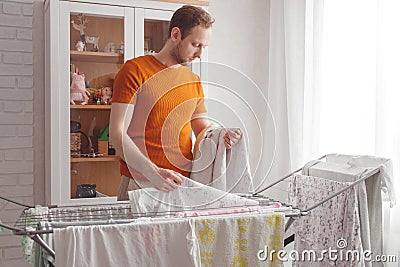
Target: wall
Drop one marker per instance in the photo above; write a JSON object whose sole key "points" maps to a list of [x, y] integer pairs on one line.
{"points": [[18, 118], [240, 37], [240, 44]]}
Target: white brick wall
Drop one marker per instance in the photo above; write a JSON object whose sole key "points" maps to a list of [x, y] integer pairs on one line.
{"points": [[16, 120]]}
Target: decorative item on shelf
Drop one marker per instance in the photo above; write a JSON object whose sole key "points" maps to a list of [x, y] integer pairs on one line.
{"points": [[106, 94], [80, 46], [102, 141], [103, 80], [147, 45], [94, 41], [109, 47], [95, 95], [78, 90], [85, 190], [103, 147], [111, 150], [76, 141], [121, 48], [104, 133], [75, 144], [75, 126], [92, 150], [150, 52], [75, 134], [85, 39], [72, 70], [90, 136]]}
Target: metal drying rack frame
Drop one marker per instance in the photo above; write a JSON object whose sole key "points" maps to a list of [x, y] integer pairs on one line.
{"points": [[121, 212]]}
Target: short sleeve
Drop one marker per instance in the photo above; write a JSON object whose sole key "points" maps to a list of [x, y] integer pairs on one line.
{"points": [[200, 107], [126, 83]]}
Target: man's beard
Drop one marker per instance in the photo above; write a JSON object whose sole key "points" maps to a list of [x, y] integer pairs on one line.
{"points": [[176, 53]]}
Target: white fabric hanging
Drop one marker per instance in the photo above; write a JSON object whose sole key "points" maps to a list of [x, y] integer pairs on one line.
{"points": [[225, 169]]}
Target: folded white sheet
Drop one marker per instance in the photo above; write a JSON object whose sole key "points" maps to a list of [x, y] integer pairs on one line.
{"points": [[190, 195]]}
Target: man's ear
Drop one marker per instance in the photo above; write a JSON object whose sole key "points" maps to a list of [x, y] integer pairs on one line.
{"points": [[176, 34]]}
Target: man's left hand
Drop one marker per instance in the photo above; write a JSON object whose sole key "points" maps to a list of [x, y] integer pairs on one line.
{"points": [[232, 137]]}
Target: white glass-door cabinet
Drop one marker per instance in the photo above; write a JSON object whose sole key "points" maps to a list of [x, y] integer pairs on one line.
{"points": [[94, 39]]}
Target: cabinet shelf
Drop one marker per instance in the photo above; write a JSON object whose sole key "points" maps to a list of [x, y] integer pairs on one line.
{"points": [[89, 106], [98, 159], [90, 56]]}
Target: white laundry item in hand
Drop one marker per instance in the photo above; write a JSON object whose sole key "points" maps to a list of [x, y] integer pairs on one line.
{"points": [[219, 167], [190, 195]]}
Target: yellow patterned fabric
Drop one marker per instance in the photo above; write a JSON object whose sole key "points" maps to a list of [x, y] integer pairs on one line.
{"points": [[236, 240]]}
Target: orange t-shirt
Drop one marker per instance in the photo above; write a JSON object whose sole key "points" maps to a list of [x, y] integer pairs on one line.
{"points": [[165, 99]]}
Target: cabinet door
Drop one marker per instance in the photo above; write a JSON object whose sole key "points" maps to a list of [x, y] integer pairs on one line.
{"points": [[151, 33], [151, 30], [95, 40]]}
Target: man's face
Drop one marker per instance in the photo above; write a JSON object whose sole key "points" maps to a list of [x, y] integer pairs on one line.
{"points": [[190, 48]]}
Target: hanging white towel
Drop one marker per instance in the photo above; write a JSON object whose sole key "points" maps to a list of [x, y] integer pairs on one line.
{"points": [[221, 168], [146, 243], [385, 172]]}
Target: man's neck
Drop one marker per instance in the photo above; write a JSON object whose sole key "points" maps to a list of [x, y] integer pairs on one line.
{"points": [[164, 56]]}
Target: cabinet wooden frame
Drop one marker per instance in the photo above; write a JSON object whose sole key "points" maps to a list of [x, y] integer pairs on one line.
{"points": [[58, 55]]}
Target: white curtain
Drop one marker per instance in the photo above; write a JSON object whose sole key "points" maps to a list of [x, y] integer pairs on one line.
{"points": [[334, 83], [294, 77]]}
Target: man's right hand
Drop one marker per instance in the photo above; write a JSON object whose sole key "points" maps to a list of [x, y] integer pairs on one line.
{"points": [[171, 180], [161, 179], [165, 180]]}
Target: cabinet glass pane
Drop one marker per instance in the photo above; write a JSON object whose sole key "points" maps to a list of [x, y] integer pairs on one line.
{"points": [[96, 54], [155, 35]]}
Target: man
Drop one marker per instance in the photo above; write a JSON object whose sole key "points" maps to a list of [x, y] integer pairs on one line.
{"points": [[163, 102]]}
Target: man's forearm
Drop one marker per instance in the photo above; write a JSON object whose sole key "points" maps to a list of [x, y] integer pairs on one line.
{"points": [[130, 153]]}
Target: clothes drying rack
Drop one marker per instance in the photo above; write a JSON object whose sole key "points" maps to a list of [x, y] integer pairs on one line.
{"points": [[30, 221]]}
